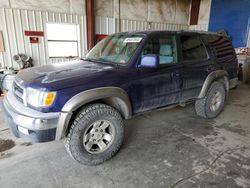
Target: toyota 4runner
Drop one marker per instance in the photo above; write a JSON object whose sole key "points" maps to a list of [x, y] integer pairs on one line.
{"points": [[86, 100]]}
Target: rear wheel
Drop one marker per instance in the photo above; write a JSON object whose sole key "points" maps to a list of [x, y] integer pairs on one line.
{"points": [[212, 104], [95, 135]]}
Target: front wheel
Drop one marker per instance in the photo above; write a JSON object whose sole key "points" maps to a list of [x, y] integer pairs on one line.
{"points": [[212, 104], [95, 135]]}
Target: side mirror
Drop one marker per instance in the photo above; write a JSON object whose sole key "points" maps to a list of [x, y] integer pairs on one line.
{"points": [[149, 61]]}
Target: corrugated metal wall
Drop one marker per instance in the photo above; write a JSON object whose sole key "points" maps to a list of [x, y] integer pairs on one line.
{"points": [[167, 26], [199, 27], [13, 23], [132, 25], [106, 25]]}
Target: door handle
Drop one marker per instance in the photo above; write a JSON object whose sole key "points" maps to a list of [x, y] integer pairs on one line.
{"points": [[175, 74], [209, 69]]}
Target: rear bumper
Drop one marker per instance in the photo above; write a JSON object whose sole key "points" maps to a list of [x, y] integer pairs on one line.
{"points": [[41, 127]]}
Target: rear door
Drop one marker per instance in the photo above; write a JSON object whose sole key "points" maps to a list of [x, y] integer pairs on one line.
{"points": [[197, 64]]}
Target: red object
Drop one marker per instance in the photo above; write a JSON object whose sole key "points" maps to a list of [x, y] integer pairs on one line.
{"points": [[34, 33], [195, 8], [34, 40], [90, 18], [99, 37]]}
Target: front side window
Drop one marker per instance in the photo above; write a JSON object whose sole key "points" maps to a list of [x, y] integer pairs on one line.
{"points": [[117, 49], [164, 47], [193, 49]]}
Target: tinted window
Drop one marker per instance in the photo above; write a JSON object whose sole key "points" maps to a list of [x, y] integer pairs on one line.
{"points": [[221, 47], [164, 47], [192, 48]]}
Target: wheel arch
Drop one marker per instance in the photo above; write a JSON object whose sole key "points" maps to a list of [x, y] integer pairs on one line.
{"points": [[219, 75], [113, 96]]}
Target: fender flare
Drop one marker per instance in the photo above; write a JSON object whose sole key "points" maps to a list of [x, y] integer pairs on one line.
{"points": [[216, 75], [113, 96]]}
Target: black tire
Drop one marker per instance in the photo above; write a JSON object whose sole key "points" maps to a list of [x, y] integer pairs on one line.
{"points": [[86, 117], [202, 106]]}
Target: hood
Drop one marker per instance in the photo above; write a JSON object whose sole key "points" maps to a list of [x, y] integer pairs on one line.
{"points": [[57, 73]]}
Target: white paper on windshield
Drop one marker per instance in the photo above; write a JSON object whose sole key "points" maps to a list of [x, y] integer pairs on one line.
{"points": [[133, 40]]}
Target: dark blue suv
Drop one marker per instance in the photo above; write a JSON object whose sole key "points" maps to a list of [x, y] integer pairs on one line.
{"points": [[85, 101]]}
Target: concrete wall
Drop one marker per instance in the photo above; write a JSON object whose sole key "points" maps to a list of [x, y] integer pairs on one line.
{"points": [[62, 6], [104, 8], [204, 12], [171, 11], [174, 11]]}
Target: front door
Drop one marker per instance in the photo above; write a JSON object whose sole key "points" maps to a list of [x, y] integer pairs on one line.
{"points": [[157, 87]]}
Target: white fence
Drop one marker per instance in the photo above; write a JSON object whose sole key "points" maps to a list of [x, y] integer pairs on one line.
{"points": [[13, 23]]}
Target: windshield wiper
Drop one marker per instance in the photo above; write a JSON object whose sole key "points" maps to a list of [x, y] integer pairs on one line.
{"points": [[107, 61], [100, 60], [87, 59]]}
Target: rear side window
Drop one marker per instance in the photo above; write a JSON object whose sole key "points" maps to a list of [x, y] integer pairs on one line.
{"points": [[193, 49], [221, 47]]}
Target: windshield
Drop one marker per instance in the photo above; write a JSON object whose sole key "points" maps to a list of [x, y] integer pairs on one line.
{"points": [[117, 49]]}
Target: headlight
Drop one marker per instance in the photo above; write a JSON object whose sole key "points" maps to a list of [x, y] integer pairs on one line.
{"points": [[38, 98]]}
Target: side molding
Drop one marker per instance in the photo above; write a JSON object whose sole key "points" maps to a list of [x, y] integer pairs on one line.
{"points": [[216, 75], [113, 96]]}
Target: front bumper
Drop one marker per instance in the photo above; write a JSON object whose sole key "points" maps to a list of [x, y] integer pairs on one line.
{"points": [[28, 123]]}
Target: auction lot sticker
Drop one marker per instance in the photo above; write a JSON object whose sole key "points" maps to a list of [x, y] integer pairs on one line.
{"points": [[133, 40]]}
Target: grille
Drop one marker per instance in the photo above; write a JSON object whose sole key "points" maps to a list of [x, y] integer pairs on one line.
{"points": [[18, 92]]}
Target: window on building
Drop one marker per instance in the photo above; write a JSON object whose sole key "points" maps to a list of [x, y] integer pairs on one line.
{"points": [[63, 40], [193, 49]]}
